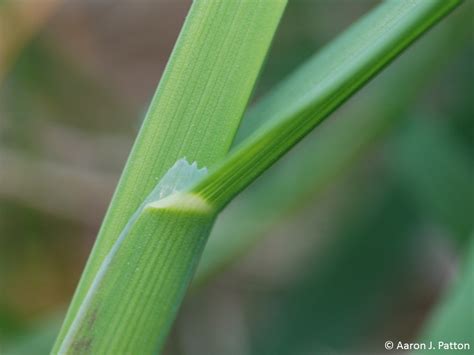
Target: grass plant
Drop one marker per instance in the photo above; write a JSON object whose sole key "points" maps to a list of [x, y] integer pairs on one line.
{"points": [[179, 175]]}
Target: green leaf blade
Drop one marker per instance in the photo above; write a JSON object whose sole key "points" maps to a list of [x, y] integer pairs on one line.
{"points": [[372, 43]]}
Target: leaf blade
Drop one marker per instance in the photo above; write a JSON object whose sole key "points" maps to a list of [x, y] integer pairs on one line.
{"points": [[407, 19], [312, 168]]}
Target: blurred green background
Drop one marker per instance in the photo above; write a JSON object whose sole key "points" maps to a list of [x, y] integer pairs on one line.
{"points": [[352, 239]]}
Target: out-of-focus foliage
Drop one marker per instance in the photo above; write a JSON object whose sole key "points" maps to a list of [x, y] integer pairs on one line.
{"points": [[437, 172], [454, 317], [371, 251], [357, 280]]}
